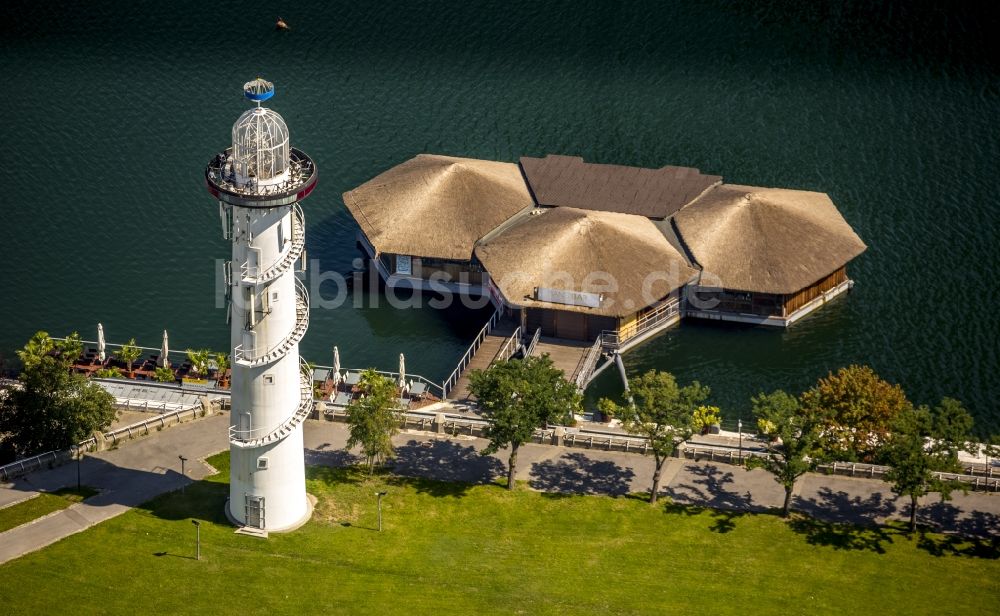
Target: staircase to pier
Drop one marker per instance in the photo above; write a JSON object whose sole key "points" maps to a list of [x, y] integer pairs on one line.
{"points": [[485, 355]]}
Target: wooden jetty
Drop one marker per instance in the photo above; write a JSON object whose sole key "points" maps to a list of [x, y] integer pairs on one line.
{"points": [[501, 338], [498, 340]]}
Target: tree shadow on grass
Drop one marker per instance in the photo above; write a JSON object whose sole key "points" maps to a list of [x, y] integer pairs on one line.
{"points": [[845, 522], [712, 490], [843, 535], [444, 468], [855, 523], [723, 520], [576, 473], [975, 534], [948, 517]]}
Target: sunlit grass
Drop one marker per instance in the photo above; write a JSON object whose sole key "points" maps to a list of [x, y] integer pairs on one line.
{"points": [[41, 505], [451, 548]]}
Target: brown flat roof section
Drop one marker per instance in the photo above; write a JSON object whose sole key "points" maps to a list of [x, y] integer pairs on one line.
{"points": [[653, 193]]}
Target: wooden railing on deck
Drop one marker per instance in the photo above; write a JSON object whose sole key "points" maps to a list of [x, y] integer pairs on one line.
{"points": [[510, 347], [463, 363], [612, 340]]}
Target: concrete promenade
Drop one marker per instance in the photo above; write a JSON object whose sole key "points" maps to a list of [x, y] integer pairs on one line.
{"points": [[142, 469], [126, 477]]}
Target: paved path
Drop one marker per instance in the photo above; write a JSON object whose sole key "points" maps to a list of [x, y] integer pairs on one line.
{"points": [[142, 469], [126, 477]]}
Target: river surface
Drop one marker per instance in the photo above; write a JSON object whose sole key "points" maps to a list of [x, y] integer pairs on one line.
{"points": [[112, 110]]}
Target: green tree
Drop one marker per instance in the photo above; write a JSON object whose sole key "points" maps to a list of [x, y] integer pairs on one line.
{"points": [[660, 410], [517, 396], [41, 345], [858, 409], [374, 418], [991, 451], [128, 354], [199, 360], [222, 363], [51, 408], [793, 434], [705, 417], [164, 375], [925, 442]]}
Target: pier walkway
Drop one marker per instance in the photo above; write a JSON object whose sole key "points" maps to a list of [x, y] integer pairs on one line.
{"points": [[498, 339], [570, 356], [501, 338]]}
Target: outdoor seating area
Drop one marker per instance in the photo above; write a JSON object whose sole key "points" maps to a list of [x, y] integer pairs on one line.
{"points": [[337, 389], [144, 368]]}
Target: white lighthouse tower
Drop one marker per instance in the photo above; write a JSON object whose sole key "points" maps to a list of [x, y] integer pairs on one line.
{"points": [[258, 183]]}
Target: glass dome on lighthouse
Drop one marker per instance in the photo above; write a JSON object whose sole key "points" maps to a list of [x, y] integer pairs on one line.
{"points": [[261, 169], [260, 153]]}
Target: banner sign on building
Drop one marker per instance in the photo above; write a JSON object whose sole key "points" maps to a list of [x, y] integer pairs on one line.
{"points": [[570, 298]]}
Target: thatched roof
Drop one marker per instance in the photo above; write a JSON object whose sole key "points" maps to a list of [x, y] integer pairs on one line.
{"points": [[437, 206], [566, 248], [653, 193], [766, 240]]}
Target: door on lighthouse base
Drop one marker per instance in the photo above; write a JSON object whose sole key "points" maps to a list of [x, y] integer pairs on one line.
{"points": [[255, 511]]}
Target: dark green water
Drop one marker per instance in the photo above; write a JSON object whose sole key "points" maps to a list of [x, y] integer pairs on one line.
{"points": [[112, 111]]}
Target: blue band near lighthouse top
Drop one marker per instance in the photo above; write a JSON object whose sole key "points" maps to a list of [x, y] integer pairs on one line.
{"points": [[258, 90]]}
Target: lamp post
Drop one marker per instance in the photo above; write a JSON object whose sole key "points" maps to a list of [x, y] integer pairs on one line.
{"points": [[79, 456], [183, 460], [380, 495], [739, 426], [197, 544]]}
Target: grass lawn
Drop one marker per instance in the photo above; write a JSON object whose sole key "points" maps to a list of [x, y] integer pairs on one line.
{"points": [[43, 504], [458, 549]]}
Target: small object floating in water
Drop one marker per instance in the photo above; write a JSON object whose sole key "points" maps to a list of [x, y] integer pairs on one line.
{"points": [[281, 24]]}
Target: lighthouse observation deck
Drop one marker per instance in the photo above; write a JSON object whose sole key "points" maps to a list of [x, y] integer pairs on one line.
{"points": [[225, 184]]}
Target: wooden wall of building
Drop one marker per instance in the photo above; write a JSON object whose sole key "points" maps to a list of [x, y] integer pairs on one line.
{"points": [[566, 324], [806, 295]]}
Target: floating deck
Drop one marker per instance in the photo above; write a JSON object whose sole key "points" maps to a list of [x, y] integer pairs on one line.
{"points": [[567, 355]]}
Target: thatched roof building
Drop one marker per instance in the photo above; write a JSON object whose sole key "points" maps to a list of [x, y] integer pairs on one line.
{"points": [[437, 206], [581, 249], [602, 253], [766, 240]]}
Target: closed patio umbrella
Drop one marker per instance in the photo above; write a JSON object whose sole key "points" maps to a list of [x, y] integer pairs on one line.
{"points": [[162, 360], [402, 372], [101, 346], [336, 366]]}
